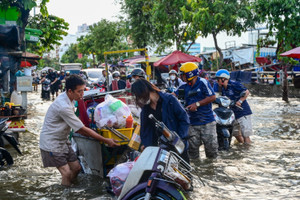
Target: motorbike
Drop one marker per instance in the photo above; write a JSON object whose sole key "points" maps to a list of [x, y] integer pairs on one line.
{"points": [[5, 156], [159, 172], [96, 86], [225, 118], [46, 89]]}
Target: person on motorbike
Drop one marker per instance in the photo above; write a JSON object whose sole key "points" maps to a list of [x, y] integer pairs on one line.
{"points": [[54, 144], [117, 83], [174, 81], [52, 76], [198, 96], [242, 127], [165, 107], [137, 73]]}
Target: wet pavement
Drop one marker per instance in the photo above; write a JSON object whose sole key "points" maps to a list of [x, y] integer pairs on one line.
{"points": [[268, 169]]}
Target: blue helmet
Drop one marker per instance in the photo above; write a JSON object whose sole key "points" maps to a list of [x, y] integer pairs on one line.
{"points": [[223, 73]]}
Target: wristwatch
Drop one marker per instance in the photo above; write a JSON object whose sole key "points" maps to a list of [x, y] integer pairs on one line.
{"points": [[197, 104], [240, 101]]}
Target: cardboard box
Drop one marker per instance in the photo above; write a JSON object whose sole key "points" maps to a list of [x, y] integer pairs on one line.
{"points": [[135, 140]]}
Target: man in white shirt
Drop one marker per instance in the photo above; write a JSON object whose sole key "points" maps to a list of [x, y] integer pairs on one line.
{"points": [[102, 79], [60, 118]]}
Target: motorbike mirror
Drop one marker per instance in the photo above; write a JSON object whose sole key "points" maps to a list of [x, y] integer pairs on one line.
{"points": [[243, 94], [180, 93]]}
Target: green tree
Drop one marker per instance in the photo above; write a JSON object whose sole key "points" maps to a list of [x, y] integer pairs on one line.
{"points": [[53, 29], [139, 29], [103, 36], [283, 21], [71, 55], [25, 6], [173, 25], [213, 17], [49, 62]]}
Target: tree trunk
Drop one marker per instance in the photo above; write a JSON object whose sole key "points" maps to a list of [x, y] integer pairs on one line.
{"points": [[218, 49], [285, 88], [94, 62]]}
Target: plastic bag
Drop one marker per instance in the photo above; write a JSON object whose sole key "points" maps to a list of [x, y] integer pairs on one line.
{"points": [[118, 176], [111, 112]]}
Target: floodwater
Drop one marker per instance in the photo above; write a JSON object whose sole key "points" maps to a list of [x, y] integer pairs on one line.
{"points": [[268, 169]]}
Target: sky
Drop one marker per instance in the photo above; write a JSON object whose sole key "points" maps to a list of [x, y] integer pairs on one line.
{"points": [[78, 12]]}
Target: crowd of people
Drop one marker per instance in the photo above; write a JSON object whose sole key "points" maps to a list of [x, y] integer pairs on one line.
{"points": [[194, 121]]}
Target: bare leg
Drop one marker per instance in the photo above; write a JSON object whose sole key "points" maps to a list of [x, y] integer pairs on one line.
{"points": [[69, 172], [239, 138], [247, 140], [75, 168], [65, 172]]}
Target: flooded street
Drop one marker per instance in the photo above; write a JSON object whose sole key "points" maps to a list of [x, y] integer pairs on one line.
{"points": [[268, 169]]}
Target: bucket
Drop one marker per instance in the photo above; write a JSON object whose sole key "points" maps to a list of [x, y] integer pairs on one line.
{"points": [[27, 71]]}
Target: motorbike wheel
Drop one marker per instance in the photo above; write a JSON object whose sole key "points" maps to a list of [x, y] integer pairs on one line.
{"points": [[158, 196], [5, 157]]}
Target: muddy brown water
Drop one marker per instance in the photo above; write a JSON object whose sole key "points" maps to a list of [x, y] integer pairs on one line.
{"points": [[268, 169]]}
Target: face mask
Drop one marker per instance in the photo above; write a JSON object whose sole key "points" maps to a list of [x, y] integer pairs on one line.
{"points": [[147, 102], [172, 77], [132, 80], [141, 103]]}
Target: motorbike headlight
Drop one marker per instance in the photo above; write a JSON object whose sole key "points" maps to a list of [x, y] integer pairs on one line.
{"points": [[225, 102], [179, 146]]}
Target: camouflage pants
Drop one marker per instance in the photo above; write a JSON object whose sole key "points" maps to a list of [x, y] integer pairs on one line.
{"points": [[208, 135]]}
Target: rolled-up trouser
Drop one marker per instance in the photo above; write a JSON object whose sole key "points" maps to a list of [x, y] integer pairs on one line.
{"points": [[242, 126], [208, 135]]}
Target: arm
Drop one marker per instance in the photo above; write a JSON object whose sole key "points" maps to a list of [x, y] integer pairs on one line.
{"points": [[43, 79], [238, 103], [91, 133], [209, 94], [182, 118], [54, 81], [193, 107]]}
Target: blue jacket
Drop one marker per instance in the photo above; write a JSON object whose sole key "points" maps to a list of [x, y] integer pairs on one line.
{"points": [[173, 116], [233, 91]]}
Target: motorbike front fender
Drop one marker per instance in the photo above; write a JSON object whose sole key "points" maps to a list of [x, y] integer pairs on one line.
{"points": [[161, 185], [225, 132]]}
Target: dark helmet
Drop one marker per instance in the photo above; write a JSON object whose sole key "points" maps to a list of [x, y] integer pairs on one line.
{"points": [[138, 72], [116, 74]]}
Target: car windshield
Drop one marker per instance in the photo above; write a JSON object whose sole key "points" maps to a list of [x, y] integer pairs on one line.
{"points": [[94, 74]]}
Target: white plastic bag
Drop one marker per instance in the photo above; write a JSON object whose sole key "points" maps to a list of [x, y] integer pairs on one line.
{"points": [[111, 112], [118, 176]]}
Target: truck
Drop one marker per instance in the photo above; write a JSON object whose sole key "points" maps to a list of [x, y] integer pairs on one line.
{"points": [[73, 68]]}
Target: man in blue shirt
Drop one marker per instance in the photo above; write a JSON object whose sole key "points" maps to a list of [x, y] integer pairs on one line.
{"points": [[198, 96], [242, 129]]}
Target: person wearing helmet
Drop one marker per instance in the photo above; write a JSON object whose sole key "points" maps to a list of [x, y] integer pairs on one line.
{"points": [[242, 128], [53, 77], [117, 83], [174, 81], [165, 107], [198, 96], [137, 73]]}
